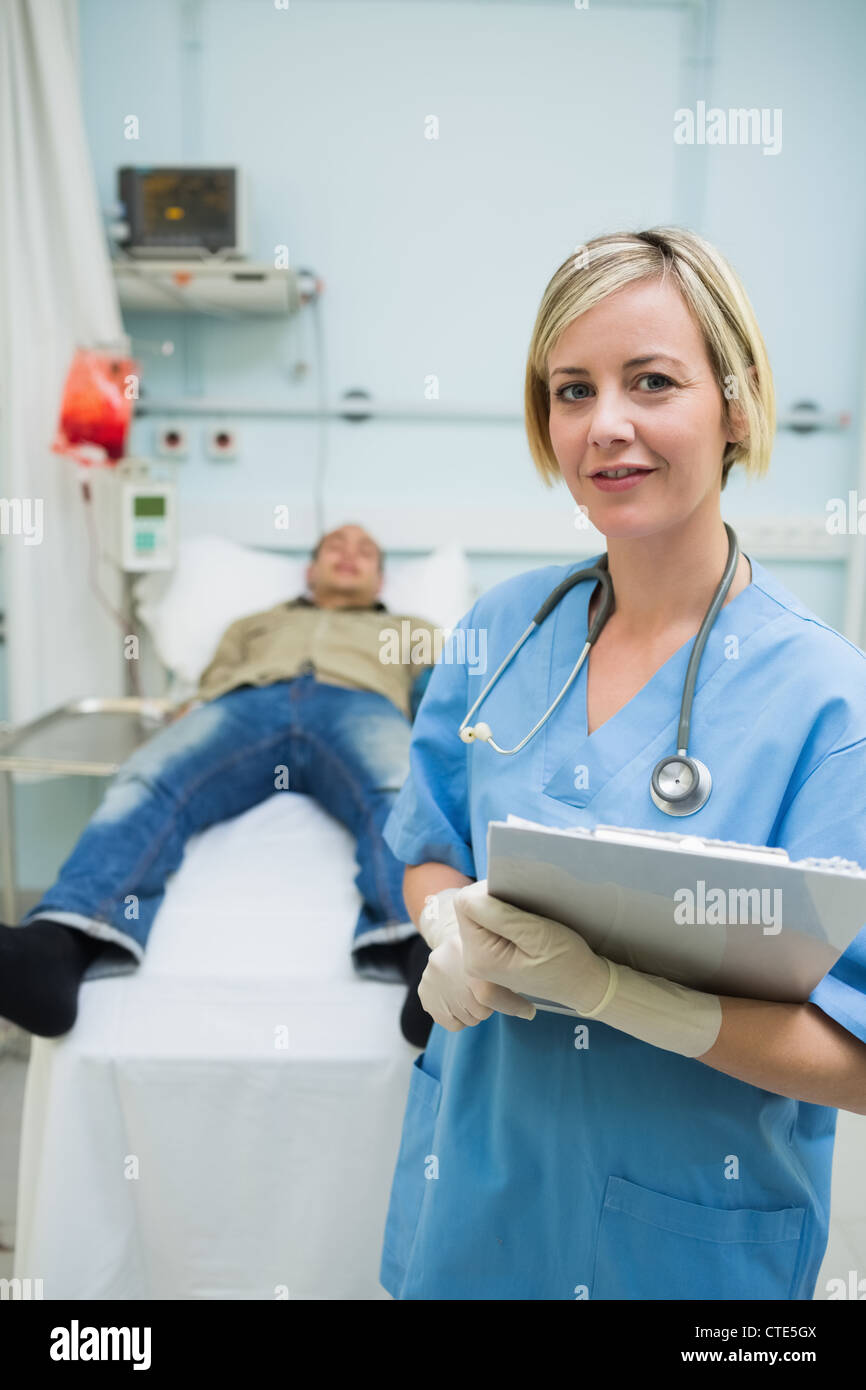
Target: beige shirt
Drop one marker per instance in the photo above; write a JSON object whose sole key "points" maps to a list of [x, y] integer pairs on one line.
{"points": [[359, 648]]}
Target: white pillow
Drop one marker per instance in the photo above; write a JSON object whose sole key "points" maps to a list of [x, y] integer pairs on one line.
{"points": [[186, 610], [437, 586]]}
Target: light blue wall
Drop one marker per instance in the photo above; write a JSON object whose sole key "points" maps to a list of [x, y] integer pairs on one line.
{"points": [[555, 125]]}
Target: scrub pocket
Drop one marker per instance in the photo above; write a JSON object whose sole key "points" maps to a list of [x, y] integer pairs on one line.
{"points": [[655, 1247], [410, 1177]]}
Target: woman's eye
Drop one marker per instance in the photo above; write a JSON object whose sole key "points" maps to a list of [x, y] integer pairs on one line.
{"points": [[657, 376], [573, 386]]}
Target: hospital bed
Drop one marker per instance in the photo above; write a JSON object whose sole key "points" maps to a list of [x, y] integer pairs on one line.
{"points": [[224, 1122]]}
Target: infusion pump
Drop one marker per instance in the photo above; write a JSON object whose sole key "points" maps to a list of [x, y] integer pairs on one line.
{"points": [[136, 516]]}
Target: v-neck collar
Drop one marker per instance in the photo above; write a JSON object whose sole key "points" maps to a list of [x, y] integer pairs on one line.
{"points": [[593, 759]]}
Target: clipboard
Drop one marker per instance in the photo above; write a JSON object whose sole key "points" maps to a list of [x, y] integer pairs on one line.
{"points": [[715, 915]]}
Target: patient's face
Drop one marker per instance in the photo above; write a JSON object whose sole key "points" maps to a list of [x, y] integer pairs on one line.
{"points": [[346, 570]]}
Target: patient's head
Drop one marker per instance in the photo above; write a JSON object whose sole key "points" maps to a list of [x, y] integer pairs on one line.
{"points": [[346, 569]]}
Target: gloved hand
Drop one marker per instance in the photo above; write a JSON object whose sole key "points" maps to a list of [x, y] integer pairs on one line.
{"points": [[438, 919], [535, 955], [446, 992]]}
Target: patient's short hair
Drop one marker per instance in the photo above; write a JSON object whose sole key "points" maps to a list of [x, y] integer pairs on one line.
{"points": [[314, 554]]}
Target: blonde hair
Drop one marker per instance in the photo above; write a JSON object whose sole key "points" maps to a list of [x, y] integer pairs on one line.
{"points": [[712, 291]]}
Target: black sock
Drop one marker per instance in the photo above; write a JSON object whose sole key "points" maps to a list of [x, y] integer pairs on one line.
{"points": [[401, 952], [41, 967], [415, 1024]]}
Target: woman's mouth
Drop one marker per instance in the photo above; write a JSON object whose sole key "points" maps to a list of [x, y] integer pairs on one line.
{"points": [[619, 479]]}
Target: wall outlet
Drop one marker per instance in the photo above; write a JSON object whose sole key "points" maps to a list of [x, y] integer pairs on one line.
{"points": [[221, 443], [171, 442]]}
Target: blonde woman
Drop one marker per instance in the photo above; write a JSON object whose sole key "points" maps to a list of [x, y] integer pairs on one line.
{"points": [[684, 1151]]}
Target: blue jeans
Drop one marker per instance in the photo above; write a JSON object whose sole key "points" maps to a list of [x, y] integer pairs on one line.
{"points": [[348, 749]]}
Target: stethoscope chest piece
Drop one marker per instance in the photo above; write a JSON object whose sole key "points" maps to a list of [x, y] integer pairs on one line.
{"points": [[680, 785]]}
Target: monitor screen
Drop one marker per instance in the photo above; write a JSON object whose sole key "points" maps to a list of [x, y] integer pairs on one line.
{"points": [[170, 207]]}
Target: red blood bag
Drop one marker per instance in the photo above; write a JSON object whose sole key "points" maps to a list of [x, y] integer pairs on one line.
{"points": [[95, 410]]}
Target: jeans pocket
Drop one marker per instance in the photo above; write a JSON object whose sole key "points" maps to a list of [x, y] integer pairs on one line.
{"points": [[651, 1246], [416, 1164]]}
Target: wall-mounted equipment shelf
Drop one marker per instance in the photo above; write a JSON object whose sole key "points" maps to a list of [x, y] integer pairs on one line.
{"points": [[215, 286]]}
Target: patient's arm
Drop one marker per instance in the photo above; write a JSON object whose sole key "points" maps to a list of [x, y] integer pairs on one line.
{"points": [[228, 656]]}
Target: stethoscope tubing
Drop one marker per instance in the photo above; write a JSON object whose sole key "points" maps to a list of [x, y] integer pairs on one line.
{"points": [[601, 574], [701, 641]]}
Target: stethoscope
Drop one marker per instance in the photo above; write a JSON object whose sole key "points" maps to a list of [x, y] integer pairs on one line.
{"points": [[680, 785]]}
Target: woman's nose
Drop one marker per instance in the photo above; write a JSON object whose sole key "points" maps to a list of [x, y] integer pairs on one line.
{"points": [[609, 421]]}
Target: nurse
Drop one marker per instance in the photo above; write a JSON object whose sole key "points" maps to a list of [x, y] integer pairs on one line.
{"points": [[668, 1144]]}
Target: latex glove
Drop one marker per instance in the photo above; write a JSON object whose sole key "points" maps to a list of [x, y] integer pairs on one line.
{"points": [[535, 955], [454, 1000], [438, 919], [445, 990]]}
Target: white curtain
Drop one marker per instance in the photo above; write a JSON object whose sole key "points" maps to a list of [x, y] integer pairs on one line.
{"points": [[56, 293]]}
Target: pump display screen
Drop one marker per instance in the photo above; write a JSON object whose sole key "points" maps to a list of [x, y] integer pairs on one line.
{"points": [[149, 506]]}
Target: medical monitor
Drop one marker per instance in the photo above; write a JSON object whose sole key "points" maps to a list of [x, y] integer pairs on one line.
{"points": [[180, 210]]}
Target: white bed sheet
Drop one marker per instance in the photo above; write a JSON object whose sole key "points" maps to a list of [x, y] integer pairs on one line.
{"points": [[224, 1122]]}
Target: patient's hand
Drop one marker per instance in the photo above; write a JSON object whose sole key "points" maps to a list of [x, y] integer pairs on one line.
{"points": [[179, 711]]}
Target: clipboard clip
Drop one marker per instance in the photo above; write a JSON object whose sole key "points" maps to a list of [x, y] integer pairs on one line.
{"points": [[695, 844]]}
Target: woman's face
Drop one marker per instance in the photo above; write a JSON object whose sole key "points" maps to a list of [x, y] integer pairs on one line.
{"points": [[663, 415]]}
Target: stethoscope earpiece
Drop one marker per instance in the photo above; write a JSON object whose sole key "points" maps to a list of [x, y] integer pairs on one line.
{"points": [[478, 731], [680, 785]]}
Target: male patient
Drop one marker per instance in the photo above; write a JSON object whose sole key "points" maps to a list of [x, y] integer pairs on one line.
{"points": [[301, 687]]}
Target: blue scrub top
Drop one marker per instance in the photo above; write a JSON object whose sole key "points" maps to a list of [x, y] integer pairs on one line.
{"points": [[561, 1158]]}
